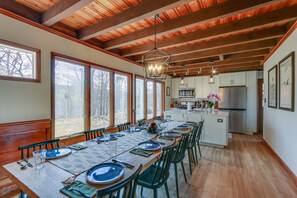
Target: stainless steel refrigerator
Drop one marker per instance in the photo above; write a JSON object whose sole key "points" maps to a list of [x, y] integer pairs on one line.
{"points": [[234, 100]]}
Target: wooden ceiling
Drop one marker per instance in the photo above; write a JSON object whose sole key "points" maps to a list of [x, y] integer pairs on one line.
{"points": [[235, 35]]}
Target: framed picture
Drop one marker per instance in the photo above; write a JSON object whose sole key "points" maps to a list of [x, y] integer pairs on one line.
{"points": [[272, 87], [286, 82], [167, 91]]}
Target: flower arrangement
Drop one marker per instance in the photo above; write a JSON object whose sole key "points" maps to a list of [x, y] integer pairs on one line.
{"points": [[214, 97]]}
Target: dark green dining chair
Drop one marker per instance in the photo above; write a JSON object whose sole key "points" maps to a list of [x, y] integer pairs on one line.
{"points": [[198, 138], [28, 149], [123, 189], [191, 145], [122, 127], [157, 175], [179, 156], [94, 133], [141, 122]]}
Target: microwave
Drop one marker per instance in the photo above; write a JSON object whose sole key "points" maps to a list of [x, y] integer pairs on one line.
{"points": [[186, 93]]}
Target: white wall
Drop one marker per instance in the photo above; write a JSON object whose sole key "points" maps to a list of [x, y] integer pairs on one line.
{"points": [[280, 127], [22, 101]]}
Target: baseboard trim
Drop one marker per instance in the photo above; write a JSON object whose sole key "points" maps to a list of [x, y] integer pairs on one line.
{"points": [[283, 164]]}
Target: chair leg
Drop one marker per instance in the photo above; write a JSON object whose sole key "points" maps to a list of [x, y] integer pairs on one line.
{"points": [[155, 193], [193, 156], [196, 153], [190, 161], [182, 164], [167, 191], [176, 179], [141, 191], [199, 149]]}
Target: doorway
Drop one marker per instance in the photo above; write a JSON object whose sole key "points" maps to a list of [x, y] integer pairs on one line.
{"points": [[260, 107]]}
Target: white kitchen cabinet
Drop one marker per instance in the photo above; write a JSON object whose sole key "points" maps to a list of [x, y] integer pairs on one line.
{"points": [[239, 78], [175, 87], [209, 88], [214, 130], [198, 87], [189, 83], [252, 95], [232, 79], [194, 117]]}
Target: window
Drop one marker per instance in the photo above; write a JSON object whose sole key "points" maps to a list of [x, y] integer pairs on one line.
{"points": [[69, 97], [120, 98], [100, 98], [139, 96], [19, 62], [158, 99], [150, 99]]}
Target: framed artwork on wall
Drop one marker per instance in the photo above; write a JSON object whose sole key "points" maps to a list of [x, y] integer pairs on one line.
{"points": [[167, 91], [287, 82], [272, 87]]}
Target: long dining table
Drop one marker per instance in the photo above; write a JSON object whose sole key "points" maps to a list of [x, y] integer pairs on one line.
{"points": [[47, 182]]}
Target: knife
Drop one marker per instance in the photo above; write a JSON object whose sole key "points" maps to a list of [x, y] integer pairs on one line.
{"points": [[124, 163], [28, 163]]}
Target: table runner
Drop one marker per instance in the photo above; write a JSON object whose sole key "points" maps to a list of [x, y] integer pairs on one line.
{"points": [[80, 161]]}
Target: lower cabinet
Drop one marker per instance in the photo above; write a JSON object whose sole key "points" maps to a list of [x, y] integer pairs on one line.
{"points": [[215, 130]]}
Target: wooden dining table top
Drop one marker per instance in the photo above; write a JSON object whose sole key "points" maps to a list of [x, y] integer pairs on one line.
{"points": [[47, 182]]}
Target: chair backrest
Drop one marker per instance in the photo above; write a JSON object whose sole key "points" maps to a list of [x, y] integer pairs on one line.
{"points": [[49, 144], [122, 127], [200, 130], [181, 147], [193, 135], [157, 118], [162, 166], [141, 122], [124, 189], [92, 134]]}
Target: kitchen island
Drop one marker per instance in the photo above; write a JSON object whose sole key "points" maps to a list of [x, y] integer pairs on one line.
{"points": [[216, 124]]}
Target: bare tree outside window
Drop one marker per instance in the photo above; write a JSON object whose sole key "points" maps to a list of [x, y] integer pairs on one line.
{"points": [[159, 98], [18, 63], [120, 98], [100, 98], [69, 98], [150, 99], [139, 95]]}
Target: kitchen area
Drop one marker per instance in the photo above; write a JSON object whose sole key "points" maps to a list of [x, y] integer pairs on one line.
{"points": [[227, 104]]}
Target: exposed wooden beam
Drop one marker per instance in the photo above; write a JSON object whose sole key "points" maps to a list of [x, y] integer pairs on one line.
{"points": [[62, 9], [221, 51], [254, 53], [216, 12], [21, 10], [275, 32], [219, 63], [206, 71], [147, 8]]}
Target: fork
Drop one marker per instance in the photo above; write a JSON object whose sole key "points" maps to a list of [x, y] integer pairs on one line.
{"points": [[69, 188]]}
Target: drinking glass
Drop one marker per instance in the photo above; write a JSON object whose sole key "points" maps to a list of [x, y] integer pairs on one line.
{"points": [[168, 117], [132, 128], [39, 158], [107, 137], [113, 148]]}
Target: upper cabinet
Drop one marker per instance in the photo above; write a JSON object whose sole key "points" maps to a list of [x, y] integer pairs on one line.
{"points": [[198, 87], [189, 83], [232, 79]]}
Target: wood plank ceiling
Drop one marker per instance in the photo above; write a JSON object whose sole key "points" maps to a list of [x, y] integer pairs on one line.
{"points": [[235, 35]]}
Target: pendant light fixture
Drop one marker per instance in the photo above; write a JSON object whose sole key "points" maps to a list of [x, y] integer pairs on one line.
{"points": [[211, 78], [155, 61], [182, 81]]}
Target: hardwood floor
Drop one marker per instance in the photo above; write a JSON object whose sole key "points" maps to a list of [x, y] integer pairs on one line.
{"points": [[246, 169]]}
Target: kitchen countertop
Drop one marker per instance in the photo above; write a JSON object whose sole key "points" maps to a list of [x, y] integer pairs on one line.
{"points": [[213, 113]]}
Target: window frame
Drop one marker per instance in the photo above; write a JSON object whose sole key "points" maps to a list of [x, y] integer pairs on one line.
{"points": [[88, 66], [37, 78]]}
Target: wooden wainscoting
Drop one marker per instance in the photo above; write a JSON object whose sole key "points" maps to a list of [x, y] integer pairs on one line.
{"points": [[13, 135]]}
